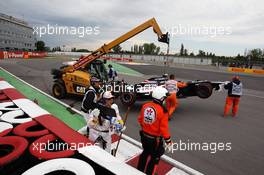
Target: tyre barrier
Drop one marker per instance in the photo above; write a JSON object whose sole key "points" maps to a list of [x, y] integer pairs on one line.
{"points": [[76, 166], [12, 147], [5, 128], [30, 129], [38, 148]]}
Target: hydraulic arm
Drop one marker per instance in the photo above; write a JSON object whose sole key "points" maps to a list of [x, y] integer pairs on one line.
{"points": [[107, 47]]}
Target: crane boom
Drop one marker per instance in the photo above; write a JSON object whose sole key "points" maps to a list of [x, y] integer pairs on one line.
{"points": [[107, 47]]}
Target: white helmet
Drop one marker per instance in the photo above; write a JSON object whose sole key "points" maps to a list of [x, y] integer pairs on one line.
{"points": [[108, 95], [160, 93]]}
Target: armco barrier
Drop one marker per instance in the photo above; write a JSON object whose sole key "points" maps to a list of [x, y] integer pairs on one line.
{"points": [[243, 70], [22, 54]]}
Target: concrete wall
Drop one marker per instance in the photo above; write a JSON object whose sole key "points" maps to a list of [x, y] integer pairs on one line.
{"points": [[171, 59], [147, 58]]}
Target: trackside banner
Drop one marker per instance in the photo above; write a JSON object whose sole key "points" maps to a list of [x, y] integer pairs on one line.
{"points": [[21, 54]]}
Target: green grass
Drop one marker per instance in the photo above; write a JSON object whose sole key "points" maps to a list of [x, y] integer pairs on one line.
{"points": [[75, 121]]}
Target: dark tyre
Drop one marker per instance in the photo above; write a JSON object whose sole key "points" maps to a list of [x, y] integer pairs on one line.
{"points": [[58, 90], [204, 90], [127, 98]]}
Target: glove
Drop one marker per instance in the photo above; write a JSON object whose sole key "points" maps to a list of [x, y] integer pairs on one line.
{"points": [[95, 112], [123, 129], [113, 120], [169, 147], [119, 127]]}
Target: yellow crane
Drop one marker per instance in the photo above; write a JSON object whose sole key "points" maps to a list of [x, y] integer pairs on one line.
{"points": [[74, 79]]}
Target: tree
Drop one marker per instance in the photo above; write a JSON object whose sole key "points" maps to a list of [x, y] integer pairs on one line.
{"points": [[201, 53], [117, 49], [157, 50], [151, 49], [185, 52], [47, 49], [82, 50], [73, 49], [54, 49], [255, 53], [182, 50], [40, 45], [140, 49], [136, 49]]}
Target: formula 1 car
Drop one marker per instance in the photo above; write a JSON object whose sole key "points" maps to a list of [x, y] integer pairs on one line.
{"points": [[200, 88]]}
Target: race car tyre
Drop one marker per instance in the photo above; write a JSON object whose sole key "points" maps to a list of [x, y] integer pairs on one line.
{"points": [[204, 90], [30, 129], [58, 90], [39, 148], [75, 166], [11, 148], [5, 128], [128, 98]]}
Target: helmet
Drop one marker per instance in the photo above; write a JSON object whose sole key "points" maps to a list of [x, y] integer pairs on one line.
{"points": [[236, 77], [95, 79], [160, 93], [108, 95], [165, 75]]}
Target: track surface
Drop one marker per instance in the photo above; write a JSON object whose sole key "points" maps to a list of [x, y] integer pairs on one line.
{"points": [[190, 74], [196, 120]]}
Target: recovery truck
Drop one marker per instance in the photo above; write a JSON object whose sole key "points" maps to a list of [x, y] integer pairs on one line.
{"points": [[74, 79]]}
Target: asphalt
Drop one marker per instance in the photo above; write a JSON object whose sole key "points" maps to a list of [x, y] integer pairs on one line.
{"points": [[195, 121], [249, 81]]}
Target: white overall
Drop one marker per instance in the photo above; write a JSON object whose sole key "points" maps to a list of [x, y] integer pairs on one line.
{"points": [[85, 115]]}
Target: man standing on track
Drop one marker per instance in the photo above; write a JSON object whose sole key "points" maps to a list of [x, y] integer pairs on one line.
{"points": [[153, 120], [112, 74], [102, 127], [234, 92], [172, 86], [90, 101]]}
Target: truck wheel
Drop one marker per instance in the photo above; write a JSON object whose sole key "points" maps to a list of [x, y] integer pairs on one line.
{"points": [[58, 90], [204, 90], [127, 98]]}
